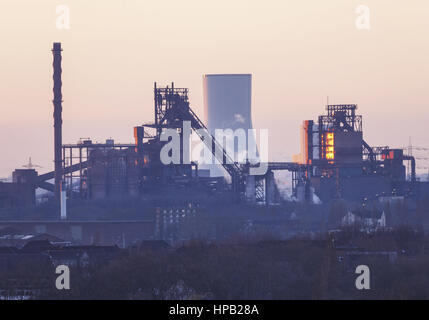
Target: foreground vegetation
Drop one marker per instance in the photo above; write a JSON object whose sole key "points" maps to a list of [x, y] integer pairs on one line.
{"points": [[294, 269]]}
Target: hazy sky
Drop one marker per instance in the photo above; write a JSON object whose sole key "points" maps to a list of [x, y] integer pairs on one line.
{"points": [[299, 52]]}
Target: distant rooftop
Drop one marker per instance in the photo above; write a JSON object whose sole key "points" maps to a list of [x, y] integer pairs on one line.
{"points": [[226, 74]]}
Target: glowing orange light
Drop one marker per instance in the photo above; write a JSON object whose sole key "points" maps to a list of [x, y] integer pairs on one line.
{"points": [[329, 149]]}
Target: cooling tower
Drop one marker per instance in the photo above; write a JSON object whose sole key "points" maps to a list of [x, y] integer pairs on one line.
{"points": [[227, 105]]}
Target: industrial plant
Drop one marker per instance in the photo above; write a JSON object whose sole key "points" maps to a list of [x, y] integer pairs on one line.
{"points": [[340, 164], [335, 163]]}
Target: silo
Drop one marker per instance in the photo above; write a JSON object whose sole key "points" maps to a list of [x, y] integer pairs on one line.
{"points": [[227, 105]]}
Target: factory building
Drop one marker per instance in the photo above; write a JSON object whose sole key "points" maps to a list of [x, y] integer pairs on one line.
{"points": [[110, 170], [21, 191], [341, 165], [335, 161]]}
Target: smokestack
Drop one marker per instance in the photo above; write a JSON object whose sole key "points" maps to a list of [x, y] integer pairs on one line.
{"points": [[56, 51]]}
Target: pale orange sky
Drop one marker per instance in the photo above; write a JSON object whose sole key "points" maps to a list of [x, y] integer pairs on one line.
{"points": [[298, 51]]}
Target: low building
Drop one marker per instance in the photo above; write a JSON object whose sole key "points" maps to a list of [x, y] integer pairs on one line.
{"points": [[367, 219]]}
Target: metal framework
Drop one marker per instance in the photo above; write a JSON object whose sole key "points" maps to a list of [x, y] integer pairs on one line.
{"points": [[172, 108], [75, 161], [341, 117], [300, 173], [167, 99], [377, 152]]}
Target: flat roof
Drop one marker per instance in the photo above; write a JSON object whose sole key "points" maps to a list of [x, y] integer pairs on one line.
{"points": [[226, 74]]}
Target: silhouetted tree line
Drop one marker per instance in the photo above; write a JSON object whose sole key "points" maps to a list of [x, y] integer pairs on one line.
{"points": [[292, 269]]}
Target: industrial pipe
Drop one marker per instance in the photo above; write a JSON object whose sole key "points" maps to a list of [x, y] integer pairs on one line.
{"points": [[56, 51], [413, 166]]}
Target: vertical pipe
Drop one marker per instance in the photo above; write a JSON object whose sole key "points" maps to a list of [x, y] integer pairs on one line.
{"points": [[412, 162], [250, 189], [269, 188], [80, 172], [71, 172], [156, 106], [63, 201], [56, 51]]}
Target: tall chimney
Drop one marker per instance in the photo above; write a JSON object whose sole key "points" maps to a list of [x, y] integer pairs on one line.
{"points": [[56, 51]]}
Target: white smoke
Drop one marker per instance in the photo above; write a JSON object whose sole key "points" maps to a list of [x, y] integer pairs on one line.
{"points": [[239, 118]]}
